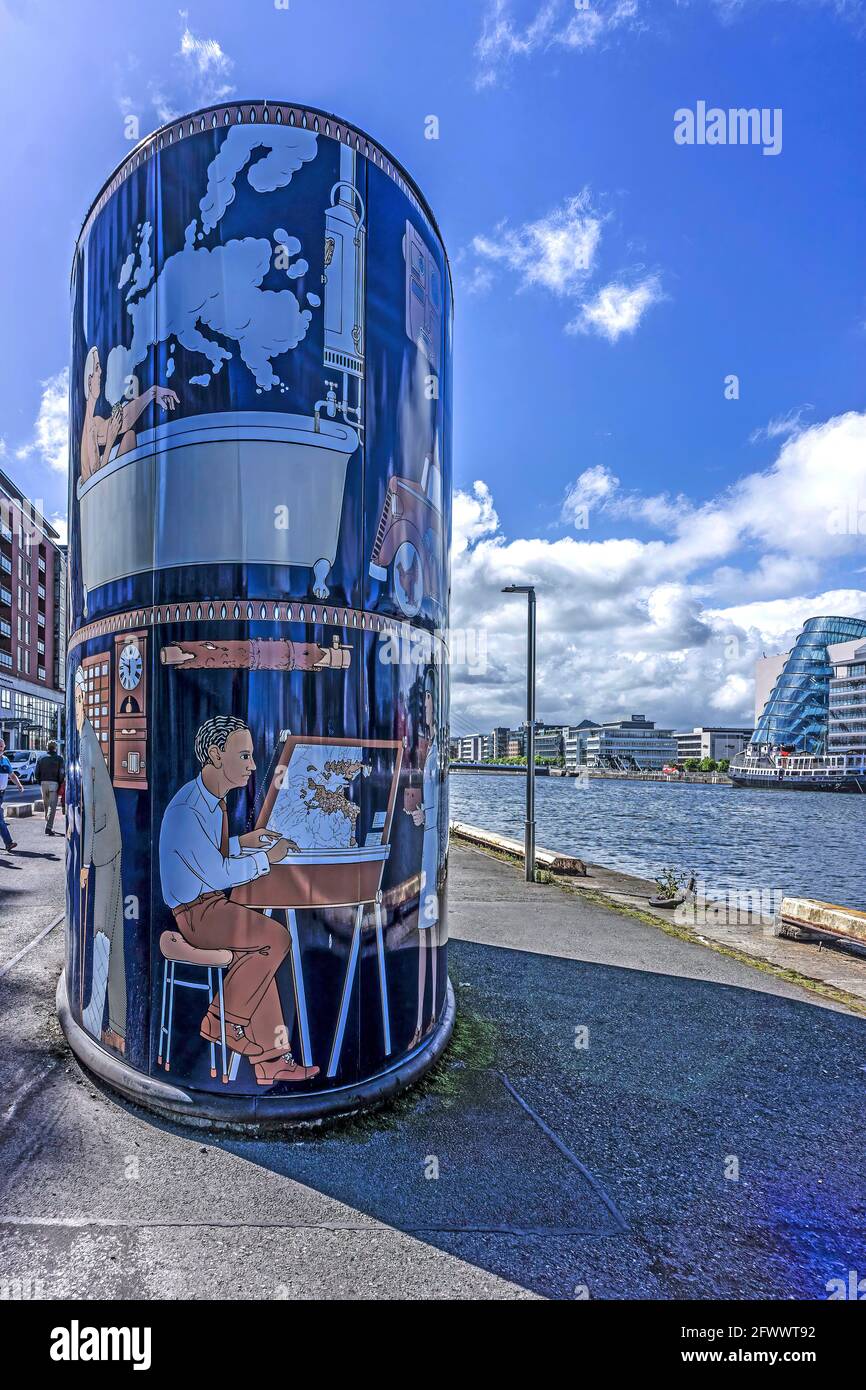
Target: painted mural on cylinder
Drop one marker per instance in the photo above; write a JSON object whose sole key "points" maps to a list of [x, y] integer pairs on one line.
{"points": [[259, 548]]}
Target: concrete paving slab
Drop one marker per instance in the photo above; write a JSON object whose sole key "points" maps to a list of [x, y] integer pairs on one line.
{"points": [[489, 901], [695, 1065]]}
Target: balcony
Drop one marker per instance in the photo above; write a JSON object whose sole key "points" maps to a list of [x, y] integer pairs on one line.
{"points": [[6, 596]]}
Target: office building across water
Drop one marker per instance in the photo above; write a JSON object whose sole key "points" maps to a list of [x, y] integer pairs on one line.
{"points": [[810, 708]]}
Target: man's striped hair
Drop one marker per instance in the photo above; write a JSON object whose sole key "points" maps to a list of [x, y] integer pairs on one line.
{"points": [[214, 733]]}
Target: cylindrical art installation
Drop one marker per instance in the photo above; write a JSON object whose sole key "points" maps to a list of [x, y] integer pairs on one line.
{"points": [[257, 752]]}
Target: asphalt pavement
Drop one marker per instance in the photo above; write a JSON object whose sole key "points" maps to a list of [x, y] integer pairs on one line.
{"points": [[622, 1114]]}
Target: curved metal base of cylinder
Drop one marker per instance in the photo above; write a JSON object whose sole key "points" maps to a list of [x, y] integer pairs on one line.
{"points": [[205, 1108]]}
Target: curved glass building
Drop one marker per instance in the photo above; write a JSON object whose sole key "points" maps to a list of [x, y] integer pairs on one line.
{"points": [[797, 712]]}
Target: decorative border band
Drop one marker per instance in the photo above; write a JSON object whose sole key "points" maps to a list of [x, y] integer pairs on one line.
{"points": [[264, 113], [253, 610]]}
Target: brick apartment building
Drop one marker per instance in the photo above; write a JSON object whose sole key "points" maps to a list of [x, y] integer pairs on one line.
{"points": [[32, 623]]}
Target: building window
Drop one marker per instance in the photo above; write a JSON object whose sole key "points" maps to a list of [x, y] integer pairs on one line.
{"points": [[41, 673]]}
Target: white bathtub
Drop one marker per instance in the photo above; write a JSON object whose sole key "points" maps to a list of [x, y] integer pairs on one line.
{"points": [[208, 490]]}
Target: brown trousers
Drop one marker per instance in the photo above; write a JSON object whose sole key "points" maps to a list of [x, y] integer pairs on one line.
{"points": [[249, 988]]}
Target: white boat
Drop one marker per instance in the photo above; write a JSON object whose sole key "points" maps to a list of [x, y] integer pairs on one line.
{"points": [[787, 770]]}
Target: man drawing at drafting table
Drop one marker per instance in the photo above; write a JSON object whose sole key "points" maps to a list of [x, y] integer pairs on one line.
{"points": [[199, 861]]}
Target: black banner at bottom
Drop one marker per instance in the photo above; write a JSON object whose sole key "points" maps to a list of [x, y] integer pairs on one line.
{"points": [[79, 1338]]}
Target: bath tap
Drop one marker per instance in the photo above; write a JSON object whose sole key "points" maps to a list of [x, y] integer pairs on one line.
{"points": [[333, 407], [330, 403]]}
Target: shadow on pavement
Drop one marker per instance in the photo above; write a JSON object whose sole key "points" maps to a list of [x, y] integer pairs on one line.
{"points": [[723, 1122], [35, 854]]}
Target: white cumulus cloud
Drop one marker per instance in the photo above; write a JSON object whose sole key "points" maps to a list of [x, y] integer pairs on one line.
{"points": [[207, 64], [556, 24], [594, 486], [555, 251], [50, 439], [199, 74], [558, 253], [559, 25], [782, 426], [617, 308], [671, 625]]}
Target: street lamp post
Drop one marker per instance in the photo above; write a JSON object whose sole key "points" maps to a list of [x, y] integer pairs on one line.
{"points": [[529, 830]]}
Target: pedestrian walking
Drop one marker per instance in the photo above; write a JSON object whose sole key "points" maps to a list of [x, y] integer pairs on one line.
{"points": [[49, 775], [6, 771]]}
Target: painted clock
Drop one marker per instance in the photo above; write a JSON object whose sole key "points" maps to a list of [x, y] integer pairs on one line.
{"points": [[130, 710], [130, 665]]}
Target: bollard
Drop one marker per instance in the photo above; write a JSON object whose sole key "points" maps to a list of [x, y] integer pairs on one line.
{"points": [[260, 521]]}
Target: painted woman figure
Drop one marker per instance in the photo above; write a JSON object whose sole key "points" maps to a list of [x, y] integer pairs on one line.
{"points": [[100, 433], [427, 815]]}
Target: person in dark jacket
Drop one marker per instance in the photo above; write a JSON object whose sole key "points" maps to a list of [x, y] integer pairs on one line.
{"points": [[49, 775]]}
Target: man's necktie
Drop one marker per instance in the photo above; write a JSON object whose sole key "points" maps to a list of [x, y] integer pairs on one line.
{"points": [[224, 833]]}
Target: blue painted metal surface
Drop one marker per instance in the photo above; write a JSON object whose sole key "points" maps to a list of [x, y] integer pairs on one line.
{"points": [[259, 505]]}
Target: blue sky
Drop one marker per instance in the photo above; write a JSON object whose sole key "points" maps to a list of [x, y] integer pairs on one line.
{"points": [[608, 280]]}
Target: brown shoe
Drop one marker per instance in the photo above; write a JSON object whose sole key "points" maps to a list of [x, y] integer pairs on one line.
{"points": [[236, 1038], [113, 1040], [283, 1068]]}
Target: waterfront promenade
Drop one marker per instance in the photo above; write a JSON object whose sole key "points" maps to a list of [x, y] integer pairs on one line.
{"points": [[580, 1139], [802, 844], [597, 773]]}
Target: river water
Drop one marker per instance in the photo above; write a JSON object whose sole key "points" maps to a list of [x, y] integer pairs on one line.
{"points": [[800, 843]]}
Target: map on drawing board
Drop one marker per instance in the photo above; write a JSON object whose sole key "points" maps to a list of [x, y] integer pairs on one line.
{"points": [[312, 807]]}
